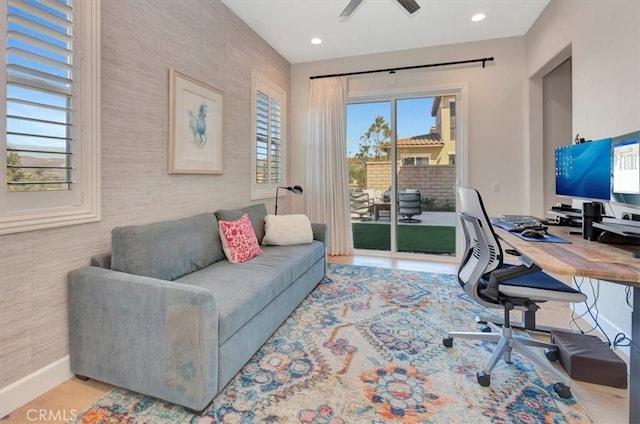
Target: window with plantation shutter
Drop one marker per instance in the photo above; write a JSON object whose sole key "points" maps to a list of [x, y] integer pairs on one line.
{"points": [[268, 149], [52, 164]]}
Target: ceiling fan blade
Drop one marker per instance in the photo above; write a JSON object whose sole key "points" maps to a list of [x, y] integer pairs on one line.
{"points": [[410, 5], [353, 4]]}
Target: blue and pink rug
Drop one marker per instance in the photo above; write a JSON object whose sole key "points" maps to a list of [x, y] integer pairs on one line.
{"points": [[366, 347]]}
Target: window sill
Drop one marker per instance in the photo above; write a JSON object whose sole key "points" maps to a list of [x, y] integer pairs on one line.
{"points": [[19, 224]]}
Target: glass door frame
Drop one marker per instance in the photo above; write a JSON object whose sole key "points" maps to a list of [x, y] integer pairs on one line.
{"points": [[392, 96]]}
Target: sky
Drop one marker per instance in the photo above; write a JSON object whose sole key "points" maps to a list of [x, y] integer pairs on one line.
{"points": [[55, 64], [414, 118]]}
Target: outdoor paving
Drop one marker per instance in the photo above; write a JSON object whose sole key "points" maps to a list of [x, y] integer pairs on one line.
{"points": [[443, 219]]}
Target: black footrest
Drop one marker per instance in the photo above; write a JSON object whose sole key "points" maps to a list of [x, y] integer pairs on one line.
{"points": [[587, 358]]}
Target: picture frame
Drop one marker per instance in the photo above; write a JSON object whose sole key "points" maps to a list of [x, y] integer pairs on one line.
{"points": [[195, 126]]}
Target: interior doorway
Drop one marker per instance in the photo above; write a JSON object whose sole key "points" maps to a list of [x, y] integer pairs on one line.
{"points": [[556, 124]]}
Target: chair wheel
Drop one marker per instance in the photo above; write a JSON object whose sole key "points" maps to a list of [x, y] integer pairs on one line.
{"points": [[486, 329], [562, 390], [551, 354], [447, 341], [483, 379]]}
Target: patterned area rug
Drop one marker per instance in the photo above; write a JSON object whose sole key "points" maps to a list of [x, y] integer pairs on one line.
{"points": [[366, 347]]}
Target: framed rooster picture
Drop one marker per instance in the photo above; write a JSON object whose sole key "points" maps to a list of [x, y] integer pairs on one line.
{"points": [[195, 126]]}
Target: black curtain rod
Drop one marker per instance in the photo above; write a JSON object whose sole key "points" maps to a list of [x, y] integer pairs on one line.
{"points": [[484, 60]]}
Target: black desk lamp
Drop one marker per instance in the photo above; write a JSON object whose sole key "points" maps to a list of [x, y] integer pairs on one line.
{"points": [[296, 189]]}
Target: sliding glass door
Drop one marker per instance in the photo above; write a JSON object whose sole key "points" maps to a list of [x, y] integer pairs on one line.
{"points": [[425, 175], [368, 138], [401, 156]]}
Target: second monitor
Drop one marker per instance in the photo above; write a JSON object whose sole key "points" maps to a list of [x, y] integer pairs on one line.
{"points": [[625, 158]]}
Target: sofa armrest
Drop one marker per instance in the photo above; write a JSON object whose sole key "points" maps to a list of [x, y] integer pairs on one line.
{"points": [[156, 337], [102, 260], [320, 232]]}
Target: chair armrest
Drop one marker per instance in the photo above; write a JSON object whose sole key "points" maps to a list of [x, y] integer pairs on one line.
{"points": [[102, 260], [492, 291], [148, 335]]}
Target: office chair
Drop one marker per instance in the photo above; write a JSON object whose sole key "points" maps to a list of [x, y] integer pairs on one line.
{"points": [[408, 206], [491, 283]]}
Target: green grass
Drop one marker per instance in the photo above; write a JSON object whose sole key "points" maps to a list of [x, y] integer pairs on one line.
{"points": [[411, 238]]}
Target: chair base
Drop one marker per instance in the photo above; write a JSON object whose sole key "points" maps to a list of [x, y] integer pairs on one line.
{"points": [[506, 342], [410, 220], [528, 323]]}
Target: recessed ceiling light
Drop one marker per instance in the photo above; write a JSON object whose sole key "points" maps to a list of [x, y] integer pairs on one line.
{"points": [[316, 40], [478, 17]]}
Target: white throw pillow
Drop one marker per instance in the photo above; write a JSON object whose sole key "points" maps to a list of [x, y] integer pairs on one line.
{"points": [[284, 230]]}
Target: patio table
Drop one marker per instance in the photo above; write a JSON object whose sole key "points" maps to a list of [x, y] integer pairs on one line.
{"points": [[382, 206]]}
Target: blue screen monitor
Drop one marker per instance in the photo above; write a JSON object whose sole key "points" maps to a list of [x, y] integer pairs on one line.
{"points": [[584, 170], [625, 164]]}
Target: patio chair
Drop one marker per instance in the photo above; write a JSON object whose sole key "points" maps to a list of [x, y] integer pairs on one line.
{"points": [[361, 206], [409, 206]]}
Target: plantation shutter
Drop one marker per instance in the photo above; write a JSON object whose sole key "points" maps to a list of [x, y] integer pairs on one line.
{"points": [[275, 141], [39, 105], [268, 139], [262, 138]]}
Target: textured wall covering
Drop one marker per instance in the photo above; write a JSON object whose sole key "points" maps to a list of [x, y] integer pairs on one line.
{"points": [[141, 40]]}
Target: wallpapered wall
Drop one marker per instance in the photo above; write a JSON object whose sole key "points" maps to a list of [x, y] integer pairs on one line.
{"points": [[141, 41]]}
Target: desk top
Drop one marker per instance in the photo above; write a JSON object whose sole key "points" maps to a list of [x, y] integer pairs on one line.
{"points": [[581, 257]]}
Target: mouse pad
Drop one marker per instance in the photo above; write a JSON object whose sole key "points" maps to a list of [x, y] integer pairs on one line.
{"points": [[548, 238]]}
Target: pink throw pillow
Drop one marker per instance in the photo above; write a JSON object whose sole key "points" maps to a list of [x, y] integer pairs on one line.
{"points": [[239, 241]]}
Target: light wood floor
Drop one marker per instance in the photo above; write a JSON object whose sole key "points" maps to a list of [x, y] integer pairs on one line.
{"points": [[605, 405]]}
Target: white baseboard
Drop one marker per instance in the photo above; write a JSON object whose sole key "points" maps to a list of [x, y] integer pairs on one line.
{"points": [[30, 387]]}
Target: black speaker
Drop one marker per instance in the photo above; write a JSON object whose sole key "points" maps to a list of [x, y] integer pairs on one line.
{"points": [[591, 212]]}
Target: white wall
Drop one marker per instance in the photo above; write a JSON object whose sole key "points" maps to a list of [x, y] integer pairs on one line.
{"points": [[557, 116], [141, 40], [604, 40], [496, 108]]}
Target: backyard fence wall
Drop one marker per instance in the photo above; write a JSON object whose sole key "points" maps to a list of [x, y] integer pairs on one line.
{"points": [[435, 182]]}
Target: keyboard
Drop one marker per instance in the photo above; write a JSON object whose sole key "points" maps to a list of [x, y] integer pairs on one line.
{"points": [[518, 223]]}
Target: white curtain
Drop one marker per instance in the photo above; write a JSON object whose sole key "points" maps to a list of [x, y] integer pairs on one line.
{"points": [[327, 184]]}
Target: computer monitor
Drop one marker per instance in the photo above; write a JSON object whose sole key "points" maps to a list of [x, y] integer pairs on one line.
{"points": [[625, 165], [584, 170]]}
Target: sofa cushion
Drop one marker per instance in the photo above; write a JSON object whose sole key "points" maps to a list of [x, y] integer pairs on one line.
{"points": [[256, 215], [284, 230], [167, 249], [243, 290], [239, 241]]}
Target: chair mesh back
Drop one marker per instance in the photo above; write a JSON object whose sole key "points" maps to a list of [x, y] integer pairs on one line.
{"points": [[483, 253]]}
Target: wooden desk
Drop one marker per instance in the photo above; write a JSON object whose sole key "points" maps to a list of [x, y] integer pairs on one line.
{"points": [[581, 257], [594, 260]]}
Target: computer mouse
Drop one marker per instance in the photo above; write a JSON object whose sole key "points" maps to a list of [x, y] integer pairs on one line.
{"points": [[533, 234]]}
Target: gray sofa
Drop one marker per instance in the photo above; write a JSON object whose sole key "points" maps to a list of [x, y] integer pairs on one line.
{"points": [[165, 314]]}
